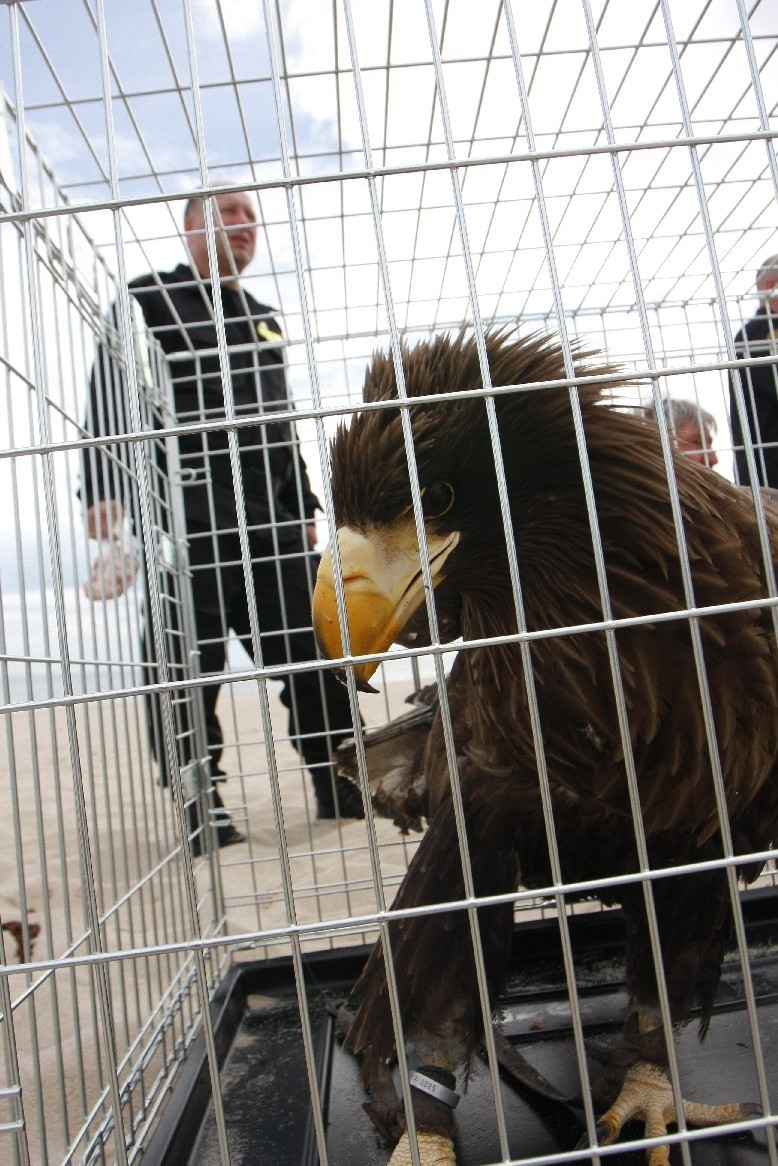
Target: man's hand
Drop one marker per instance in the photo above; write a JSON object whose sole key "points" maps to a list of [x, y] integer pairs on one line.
{"points": [[104, 519], [312, 536], [116, 563]]}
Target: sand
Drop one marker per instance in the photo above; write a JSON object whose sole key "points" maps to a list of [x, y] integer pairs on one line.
{"points": [[70, 1025]]}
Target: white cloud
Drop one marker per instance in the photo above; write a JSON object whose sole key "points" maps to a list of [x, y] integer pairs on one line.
{"points": [[242, 20]]}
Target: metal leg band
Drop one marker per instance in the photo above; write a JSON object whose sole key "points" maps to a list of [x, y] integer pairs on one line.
{"points": [[434, 1089]]}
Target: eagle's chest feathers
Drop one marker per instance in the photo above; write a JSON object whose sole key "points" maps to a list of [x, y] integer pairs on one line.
{"points": [[575, 723]]}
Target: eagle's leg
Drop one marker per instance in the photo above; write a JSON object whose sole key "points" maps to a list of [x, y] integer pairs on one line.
{"points": [[647, 1096], [433, 1119], [434, 1096], [434, 964]]}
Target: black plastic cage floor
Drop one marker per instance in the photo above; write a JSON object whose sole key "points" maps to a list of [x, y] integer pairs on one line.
{"points": [[264, 1082]]}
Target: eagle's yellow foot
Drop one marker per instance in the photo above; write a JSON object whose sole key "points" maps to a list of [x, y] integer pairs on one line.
{"points": [[434, 1150], [647, 1096]]}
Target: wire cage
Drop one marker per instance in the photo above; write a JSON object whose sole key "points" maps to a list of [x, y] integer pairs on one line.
{"points": [[601, 172]]}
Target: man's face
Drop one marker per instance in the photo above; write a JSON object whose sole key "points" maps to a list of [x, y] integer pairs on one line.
{"points": [[236, 234], [768, 290], [695, 445]]}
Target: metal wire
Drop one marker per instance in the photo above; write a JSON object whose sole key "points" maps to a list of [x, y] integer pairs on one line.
{"points": [[603, 171]]}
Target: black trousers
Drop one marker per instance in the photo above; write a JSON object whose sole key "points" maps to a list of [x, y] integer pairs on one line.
{"points": [[319, 711]]}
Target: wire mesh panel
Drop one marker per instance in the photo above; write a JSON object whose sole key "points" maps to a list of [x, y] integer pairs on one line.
{"points": [[93, 858], [600, 174]]}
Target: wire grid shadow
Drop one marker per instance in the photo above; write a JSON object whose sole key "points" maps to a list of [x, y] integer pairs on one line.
{"points": [[583, 170]]}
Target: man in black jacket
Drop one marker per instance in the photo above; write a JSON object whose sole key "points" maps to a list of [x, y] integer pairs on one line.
{"points": [[178, 308], [759, 382]]}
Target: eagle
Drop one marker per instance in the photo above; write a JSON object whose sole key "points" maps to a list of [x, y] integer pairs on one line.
{"points": [[611, 710]]}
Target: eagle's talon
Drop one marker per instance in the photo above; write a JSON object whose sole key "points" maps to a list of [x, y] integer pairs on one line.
{"points": [[647, 1097], [607, 1132], [434, 1150]]}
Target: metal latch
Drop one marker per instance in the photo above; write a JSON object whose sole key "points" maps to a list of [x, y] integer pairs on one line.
{"points": [[195, 777]]}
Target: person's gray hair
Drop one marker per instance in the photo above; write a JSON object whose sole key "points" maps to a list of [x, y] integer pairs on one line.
{"points": [[678, 411], [768, 267]]}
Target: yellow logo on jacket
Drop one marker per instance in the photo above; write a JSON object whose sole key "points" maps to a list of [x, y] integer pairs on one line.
{"points": [[267, 334]]}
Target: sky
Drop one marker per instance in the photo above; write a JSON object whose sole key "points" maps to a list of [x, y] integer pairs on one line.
{"points": [[340, 254], [156, 151]]}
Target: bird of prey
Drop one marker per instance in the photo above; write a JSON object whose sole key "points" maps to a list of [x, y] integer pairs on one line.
{"points": [[586, 705]]}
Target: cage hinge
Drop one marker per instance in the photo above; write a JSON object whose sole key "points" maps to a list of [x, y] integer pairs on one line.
{"points": [[171, 553], [195, 778]]}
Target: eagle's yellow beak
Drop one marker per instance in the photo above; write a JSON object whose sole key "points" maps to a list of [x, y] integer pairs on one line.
{"points": [[383, 587]]}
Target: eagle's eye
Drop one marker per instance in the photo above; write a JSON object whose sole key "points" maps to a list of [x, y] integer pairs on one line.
{"points": [[437, 499]]}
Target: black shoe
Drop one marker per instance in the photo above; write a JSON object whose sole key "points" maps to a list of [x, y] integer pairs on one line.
{"points": [[347, 802], [226, 832], [226, 835], [229, 835]]}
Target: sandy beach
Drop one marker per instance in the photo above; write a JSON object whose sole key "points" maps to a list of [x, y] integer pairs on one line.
{"points": [[73, 1024], [329, 872]]}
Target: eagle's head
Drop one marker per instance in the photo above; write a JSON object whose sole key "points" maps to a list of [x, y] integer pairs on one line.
{"points": [[447, 431]]}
